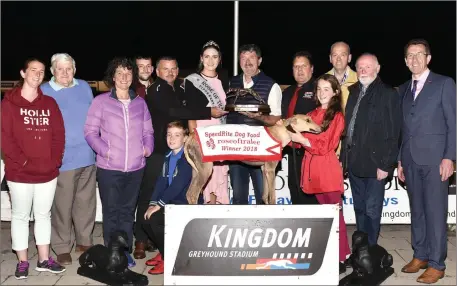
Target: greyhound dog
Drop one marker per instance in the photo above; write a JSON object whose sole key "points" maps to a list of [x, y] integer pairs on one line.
{"points": [[280, 131], [278, 263]]}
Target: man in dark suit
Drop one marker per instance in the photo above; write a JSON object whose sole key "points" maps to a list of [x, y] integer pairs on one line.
{"points": [[370, 148], [298, 99], [426, 158]]}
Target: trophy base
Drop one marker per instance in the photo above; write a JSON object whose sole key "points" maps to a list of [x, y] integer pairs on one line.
{"points": [[264, 109]]}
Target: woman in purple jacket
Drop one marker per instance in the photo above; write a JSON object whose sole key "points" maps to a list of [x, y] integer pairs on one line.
{"points": [[119, 129]]}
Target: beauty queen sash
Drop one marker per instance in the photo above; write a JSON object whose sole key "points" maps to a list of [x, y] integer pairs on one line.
{"points": [[213, 98]]}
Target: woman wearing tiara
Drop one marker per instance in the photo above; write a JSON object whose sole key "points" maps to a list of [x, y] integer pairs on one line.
{"points": [[209, 95]]}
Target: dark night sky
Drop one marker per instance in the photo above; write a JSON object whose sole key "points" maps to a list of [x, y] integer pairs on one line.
{"points": [[95, 32]]}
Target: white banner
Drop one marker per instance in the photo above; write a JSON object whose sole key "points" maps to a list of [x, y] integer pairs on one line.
{"points": [[395, 211], [396, 202], [237, 142], [251, 245]]}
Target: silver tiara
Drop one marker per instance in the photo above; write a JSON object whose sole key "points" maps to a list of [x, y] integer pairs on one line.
{"points": [[211, 43]]}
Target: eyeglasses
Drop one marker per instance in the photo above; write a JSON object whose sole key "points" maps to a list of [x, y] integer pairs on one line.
{"points": [[416, 55]]}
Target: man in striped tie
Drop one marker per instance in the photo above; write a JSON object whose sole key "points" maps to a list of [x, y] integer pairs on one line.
{"points": [[370, 147]]}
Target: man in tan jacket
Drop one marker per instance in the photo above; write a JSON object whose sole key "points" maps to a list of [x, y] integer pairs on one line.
{"points": [[340, 57]]}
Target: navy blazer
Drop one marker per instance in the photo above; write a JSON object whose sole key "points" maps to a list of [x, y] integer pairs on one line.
{"points": [[429, 123]]}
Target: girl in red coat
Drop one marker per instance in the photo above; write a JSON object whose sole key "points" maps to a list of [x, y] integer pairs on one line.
{"points": [[322, 174]]}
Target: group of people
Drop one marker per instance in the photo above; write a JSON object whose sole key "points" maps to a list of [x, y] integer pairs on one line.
{"points": [[52, 131], [412, 128]]}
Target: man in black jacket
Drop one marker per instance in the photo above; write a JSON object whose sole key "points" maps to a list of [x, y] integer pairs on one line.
{"points": [[370, 147], [298, 99], [166, 103]]}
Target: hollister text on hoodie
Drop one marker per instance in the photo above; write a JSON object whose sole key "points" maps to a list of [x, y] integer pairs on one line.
{"points": [[33, 138]]}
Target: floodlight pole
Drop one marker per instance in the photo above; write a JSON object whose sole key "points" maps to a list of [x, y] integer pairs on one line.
{"points": [[235, 41]]}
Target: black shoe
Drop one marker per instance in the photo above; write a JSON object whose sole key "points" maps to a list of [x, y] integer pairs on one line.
{"points": [[342, 268], [22, 270], [50, 266], [150, 247], [348, 262]]}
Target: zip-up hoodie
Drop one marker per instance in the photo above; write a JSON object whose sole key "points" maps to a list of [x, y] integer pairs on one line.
{"points": [[33, 137], [174, 192]]}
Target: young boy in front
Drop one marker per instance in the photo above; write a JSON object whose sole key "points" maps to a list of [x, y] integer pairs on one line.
{"points": [[171, 188]]}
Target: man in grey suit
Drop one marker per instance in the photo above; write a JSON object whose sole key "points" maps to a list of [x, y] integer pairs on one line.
{"points": [[426, 158]]}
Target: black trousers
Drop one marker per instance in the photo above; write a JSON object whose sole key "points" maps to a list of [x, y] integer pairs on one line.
{"points": [[154, 165], [118, 195], [297, 196], [155, 228]]}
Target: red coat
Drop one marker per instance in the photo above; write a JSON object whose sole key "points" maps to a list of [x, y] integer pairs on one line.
{"points": [[321, 169]]}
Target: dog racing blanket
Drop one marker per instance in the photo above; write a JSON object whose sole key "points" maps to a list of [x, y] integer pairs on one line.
{"points": [[237, 142]]}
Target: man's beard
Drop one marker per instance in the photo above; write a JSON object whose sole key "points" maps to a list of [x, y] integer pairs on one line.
{"points": [[367, 80], [144, 78]]}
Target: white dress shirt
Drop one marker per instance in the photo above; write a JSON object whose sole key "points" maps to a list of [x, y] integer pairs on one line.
{"points": [[420, 82]]}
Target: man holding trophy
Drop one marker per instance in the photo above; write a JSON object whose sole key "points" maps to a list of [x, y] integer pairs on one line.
{"points": [[253, 99]]}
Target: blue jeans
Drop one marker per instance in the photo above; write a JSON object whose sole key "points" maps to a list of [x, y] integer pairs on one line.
{"points": [[119, 195], [368, 196], [239, 179]]}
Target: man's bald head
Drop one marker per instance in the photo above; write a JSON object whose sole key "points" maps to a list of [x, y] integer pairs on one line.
{"points": [[340, 45], [367, 67], [340, 56]]}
